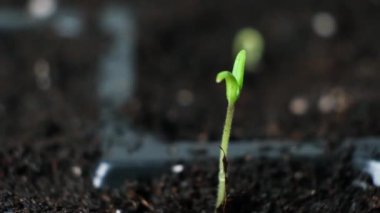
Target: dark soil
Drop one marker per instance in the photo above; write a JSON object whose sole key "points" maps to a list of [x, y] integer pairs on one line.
{"points": [[42, 178], [48, 135]]}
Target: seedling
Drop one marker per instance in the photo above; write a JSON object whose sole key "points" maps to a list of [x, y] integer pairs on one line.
{"points": [[234, 84], [252, 41]]}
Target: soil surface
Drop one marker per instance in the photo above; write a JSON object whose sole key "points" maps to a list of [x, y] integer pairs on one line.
{"points": [[49, 131], [55, 175]]}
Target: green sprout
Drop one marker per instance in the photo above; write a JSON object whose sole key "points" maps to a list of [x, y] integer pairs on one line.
{"points": [[234, 84], [251, 41]]}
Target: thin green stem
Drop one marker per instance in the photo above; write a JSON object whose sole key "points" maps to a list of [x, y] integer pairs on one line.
{"points": [[221, 195]]}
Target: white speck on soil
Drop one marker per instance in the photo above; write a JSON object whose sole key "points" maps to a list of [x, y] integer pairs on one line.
{"points": [[178, 168], [76, 170]]}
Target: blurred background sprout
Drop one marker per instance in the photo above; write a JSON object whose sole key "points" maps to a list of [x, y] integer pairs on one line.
{"points": [[252, 42]]}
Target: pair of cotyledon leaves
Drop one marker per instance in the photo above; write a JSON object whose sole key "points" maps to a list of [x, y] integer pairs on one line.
{"points": [[234, 80]]}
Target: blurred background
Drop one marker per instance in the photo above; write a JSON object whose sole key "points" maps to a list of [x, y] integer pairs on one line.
{"points": [[60, 62]]}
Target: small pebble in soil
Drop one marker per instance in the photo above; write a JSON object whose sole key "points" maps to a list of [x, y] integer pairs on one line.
{"points": [[76, 170], [185, 97], [100, 173], [177, 168], [324, 24], [298, 106], [147, 204]]}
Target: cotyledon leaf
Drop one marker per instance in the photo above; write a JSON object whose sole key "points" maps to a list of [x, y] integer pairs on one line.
{"points": [[232, 86], [238, 69], [234, 79]]}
